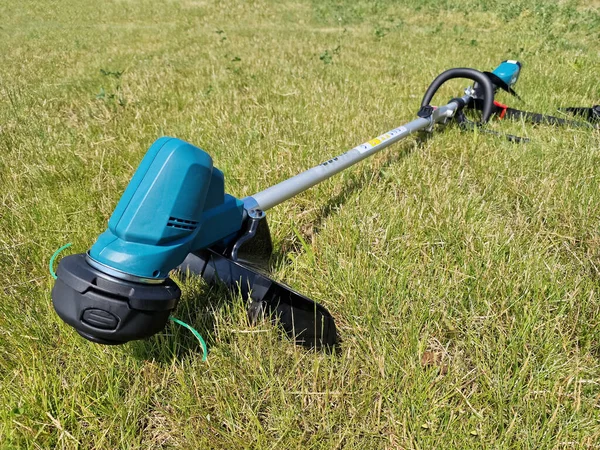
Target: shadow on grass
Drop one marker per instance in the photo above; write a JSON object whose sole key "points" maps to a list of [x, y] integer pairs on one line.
{"points": [[351, 186], [198, 307]]}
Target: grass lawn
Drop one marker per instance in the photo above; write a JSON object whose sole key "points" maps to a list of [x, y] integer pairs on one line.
{"points": [[463, 272]]}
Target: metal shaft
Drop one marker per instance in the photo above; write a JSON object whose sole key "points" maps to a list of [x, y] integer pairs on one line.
{"points": [[293, 186]]}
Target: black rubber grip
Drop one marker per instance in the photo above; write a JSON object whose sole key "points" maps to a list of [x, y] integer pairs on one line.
{"points": [[471, 74]]}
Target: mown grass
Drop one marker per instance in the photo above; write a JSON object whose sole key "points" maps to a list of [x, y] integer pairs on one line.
{"points": [[462, 272]]}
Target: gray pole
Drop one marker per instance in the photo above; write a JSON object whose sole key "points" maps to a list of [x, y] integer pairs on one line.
{"points": [[292, 186]]}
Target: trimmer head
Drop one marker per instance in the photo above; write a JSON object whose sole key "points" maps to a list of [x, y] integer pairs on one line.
{"points": [[109, 310]]}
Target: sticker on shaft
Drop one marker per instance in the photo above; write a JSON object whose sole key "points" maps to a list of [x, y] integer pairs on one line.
{"points": [[362, 148]]}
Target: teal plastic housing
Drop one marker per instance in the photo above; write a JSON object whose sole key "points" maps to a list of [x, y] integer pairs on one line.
{"points": [[508, 71], [174, 204]]}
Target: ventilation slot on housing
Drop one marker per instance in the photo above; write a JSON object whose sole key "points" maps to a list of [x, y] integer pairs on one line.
{"points": [[182, 224]]}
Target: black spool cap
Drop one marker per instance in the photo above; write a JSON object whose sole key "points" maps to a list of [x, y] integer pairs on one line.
{"points": [[108, 310]]}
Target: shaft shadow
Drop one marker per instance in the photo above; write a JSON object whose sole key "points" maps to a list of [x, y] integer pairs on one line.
{"points": [[355, 183]]}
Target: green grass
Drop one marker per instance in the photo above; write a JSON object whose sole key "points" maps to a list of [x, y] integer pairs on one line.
{"points": [[463, 272]]}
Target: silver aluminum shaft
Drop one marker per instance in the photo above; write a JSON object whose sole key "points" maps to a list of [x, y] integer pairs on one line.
{"points": [[293, 186]]}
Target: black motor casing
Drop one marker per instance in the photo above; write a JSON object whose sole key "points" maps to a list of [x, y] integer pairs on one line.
{"points": [[109, 310]]}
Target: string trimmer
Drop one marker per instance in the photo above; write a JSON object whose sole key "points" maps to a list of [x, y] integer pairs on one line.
{"points": [[175, 213]]}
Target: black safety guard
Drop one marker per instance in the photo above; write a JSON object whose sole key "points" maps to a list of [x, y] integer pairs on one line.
{"points": [[306, 322]]}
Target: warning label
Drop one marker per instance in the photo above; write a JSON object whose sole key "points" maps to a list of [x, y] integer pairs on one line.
{"points": [[362, 148]]}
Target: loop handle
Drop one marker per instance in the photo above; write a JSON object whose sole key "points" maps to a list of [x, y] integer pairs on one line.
{"points": [[471, 74]]}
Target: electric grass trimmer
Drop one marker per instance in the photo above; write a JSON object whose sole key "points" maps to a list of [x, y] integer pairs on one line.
{"points": [[175, 214]]}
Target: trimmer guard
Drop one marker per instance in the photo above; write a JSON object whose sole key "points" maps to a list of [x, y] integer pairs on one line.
{"points": [[306, 322]]}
